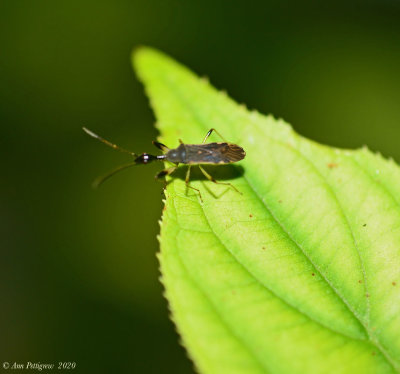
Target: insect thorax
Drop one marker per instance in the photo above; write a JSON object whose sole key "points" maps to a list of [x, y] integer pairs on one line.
{"points": [[177, 155]]}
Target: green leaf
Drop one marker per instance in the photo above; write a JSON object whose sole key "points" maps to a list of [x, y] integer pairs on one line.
{"points": [[300, 273]]}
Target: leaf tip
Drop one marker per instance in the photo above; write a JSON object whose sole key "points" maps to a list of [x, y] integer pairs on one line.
{"points": [[142, 56], [140, 50]]}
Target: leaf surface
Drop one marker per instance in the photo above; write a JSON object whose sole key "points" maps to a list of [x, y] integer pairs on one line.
{"points": [[298, 274]]}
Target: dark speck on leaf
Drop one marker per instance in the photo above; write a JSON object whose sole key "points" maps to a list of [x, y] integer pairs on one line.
{"points": [[360, 281], [264, 248], [250, 215], [394, 283], [367, 295], [364, 224], [313, 274]]}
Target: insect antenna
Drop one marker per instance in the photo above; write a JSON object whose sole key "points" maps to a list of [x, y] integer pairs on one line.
{"points": [[100, 180], [106, 142], [161, 146]]}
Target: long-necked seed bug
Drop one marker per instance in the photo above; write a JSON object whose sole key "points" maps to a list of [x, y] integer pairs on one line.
{"points": [[189, 154]]}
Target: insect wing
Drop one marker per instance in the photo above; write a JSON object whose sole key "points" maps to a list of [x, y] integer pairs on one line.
{"points": [[214, 153]]}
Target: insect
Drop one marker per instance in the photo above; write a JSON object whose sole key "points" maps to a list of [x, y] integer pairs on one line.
{"points": [[189, 154]]}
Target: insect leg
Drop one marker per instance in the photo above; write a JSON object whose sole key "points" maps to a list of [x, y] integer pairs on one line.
{"points": [[210, 132], [187, 182], [166, 172], [161, 146], [209, 177]]}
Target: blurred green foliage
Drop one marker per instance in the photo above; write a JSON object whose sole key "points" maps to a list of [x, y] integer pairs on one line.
{"points": [[78, 269]]}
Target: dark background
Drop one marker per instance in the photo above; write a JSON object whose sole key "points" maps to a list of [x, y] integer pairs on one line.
{"points": [[78, 273]]}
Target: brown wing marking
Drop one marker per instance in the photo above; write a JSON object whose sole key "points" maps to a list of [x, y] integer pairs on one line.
{"points": [[231, 153]]}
